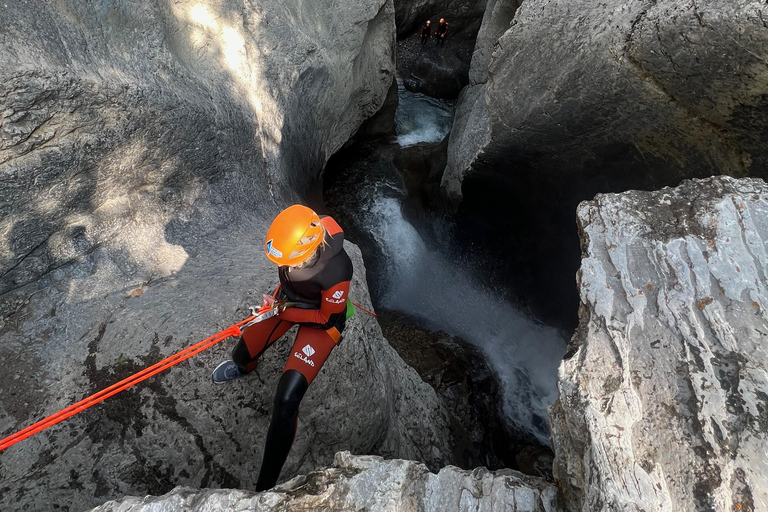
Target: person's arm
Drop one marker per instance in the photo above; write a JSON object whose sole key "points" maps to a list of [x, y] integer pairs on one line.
{"points": [[333, 301]]}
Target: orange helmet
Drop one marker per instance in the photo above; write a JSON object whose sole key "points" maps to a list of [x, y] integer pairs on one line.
{"points": [[293, 236]]}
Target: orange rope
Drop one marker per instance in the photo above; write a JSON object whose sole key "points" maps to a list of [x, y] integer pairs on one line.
{"points": [[124, 384], [358, 306]]}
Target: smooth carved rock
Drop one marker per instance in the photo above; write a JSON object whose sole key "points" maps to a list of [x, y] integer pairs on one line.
{"points": [[143, 112], [588, 97], [144, 148], [664, 393], [366, 483], [496, 20], [662, 88]]}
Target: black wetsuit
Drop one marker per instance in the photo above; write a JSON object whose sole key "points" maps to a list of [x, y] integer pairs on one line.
{"points": [[442, 30], [426, 33]]}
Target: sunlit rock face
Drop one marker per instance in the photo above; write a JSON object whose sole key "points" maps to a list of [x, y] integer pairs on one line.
{"points": [[664, 392], [117, 115], [144, 149], [367, 483]]}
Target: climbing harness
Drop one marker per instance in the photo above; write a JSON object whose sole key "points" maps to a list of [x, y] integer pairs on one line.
{"points": [[270, 307]]}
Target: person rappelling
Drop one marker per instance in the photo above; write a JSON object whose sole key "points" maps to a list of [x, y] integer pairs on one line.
{"points": [[315, 274]]}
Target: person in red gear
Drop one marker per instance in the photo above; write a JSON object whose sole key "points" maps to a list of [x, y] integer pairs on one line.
{"points": [[441, 31], [315, 274]]}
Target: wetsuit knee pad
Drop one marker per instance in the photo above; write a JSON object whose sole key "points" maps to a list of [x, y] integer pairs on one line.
{"points": [[290, 391]]}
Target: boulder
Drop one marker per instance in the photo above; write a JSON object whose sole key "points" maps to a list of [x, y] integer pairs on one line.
{"points": [[663, 395], [584, 97], [366, 483]]}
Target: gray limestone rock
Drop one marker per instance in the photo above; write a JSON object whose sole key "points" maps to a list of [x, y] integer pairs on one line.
{"points": [[653, 88], [470, 134], [366, 483], [587, 97], [87, 326], [117, 113], [663, 395], [144, 148], [496, 20]]}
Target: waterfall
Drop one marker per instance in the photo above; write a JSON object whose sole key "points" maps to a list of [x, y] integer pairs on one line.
{"points": [[428, 281]]}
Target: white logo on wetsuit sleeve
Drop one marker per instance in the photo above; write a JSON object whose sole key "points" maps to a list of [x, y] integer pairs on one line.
{"points": [[338, 296], [308, 350]]}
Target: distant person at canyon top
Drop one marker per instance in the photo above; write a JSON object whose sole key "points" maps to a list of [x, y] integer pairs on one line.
{"points": [[315, 273], [442, 31], [426, 32]]}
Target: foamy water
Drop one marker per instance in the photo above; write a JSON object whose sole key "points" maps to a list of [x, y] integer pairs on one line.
{"points": [[425, 284], [424, 280], [421, 118]]}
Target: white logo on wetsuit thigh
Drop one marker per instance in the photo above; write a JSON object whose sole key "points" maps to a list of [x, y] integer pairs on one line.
{"points": [[339, 294], [308, 350], [304, 358]]}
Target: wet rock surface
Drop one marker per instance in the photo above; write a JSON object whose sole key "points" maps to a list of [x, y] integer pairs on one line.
{"points": [[469, 388], [585, 98], [437, 71], [663, 394], [464, 16], [366, 483]]}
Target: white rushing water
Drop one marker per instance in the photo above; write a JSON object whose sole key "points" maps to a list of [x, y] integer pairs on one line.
{"points": [[430, 285], [421, 118], [426, 284]]}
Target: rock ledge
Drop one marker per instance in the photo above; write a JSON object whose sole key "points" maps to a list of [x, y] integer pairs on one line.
{"points": [[366, 483]]}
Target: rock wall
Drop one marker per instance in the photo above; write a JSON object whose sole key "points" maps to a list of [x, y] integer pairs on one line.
{"points": [[350, 483], [144, 149], [663, 395], [464, 16], [119, 113], [583, 98], [665, 82], [82, 331]]}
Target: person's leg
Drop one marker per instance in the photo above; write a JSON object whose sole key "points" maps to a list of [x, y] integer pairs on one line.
{"points": [[310, 350], [255, 340]]}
